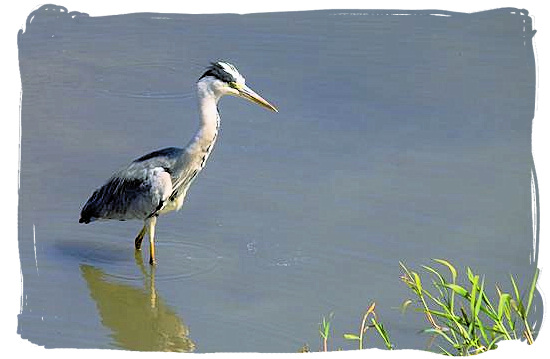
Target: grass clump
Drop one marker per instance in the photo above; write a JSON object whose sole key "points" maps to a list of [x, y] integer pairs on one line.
{"points": [[369, 321], [462, 319], [462, 316]]}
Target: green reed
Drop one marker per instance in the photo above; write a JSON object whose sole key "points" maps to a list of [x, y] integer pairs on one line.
{"points": [[462, 316], [324, 331], [460, 313], [365, 326]]}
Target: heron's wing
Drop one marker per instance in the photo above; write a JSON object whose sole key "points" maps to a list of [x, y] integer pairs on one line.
{"points": [[182, 183], [144, 186], [116, 199], [129, 197], [135, 191], [181, 165], [185, 171]]}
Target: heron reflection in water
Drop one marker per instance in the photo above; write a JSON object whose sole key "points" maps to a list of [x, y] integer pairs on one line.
{"points": [[138, 318], [157, 183]]}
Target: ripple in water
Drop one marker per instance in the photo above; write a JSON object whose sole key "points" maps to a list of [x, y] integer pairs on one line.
{"points": [[176, 260], [273, 256], [141, 80]]}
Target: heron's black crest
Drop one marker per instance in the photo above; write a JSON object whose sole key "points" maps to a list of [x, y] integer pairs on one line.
{"points": [[216, 70]]}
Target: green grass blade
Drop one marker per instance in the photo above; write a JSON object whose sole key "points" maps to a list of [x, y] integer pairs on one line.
{"points": [[437, 275], [519, 308], [473, 304], [482, 330], [473, 295], [437, 301], [445, 315], [440, 333], [452, 269], [434, 272], [532, 291], [454, 275], [383, 333], [459, 290], [350, 336], [405, 270], [503, 301], [490, 309], [479, 299], [492, 345], [516, 291], [470, 274], [444, 352], [416, 278], [324, 329]]}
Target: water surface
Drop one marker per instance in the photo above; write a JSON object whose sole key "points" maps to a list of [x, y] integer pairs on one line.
{"points": [[399, 138]]}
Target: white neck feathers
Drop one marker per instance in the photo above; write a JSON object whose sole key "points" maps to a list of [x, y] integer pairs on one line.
{"points": [[209, 120]]}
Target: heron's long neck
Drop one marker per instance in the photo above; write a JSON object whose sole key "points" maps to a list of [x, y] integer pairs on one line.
{"points": [[209, 124]]}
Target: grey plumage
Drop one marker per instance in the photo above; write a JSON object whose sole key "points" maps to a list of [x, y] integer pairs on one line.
{"points": [[137, 191], [157, 182]]}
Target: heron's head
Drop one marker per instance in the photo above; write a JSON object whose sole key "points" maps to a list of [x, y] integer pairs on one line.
{"points": [[222, 78]]}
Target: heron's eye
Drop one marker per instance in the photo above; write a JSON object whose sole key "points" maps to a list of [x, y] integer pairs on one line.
{"points": [[233, 85]]}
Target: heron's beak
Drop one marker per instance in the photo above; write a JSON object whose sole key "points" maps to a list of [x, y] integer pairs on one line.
{"points": [[247, 93]]}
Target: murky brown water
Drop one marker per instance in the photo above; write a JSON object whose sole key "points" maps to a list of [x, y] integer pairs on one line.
{"points": [[399, 138]]}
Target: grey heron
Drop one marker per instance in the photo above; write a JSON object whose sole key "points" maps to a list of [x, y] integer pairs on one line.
{"points": [[157, 182]]}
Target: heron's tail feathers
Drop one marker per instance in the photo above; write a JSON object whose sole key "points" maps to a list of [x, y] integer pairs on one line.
{"points": [[89, 212], [86, 218]]}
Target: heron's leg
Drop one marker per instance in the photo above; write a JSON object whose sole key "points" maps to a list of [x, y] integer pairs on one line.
{"points": [[140, 236], [151, 223]]}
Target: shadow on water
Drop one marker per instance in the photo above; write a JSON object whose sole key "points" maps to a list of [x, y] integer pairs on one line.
{"points": [[138, 318], [181, 260], [93, 251]]}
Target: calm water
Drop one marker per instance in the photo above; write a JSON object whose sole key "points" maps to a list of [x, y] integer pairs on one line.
{"points": [[399, 138]]}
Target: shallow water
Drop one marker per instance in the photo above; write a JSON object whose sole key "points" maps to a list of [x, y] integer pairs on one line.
{"points": [[399, 138]]}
